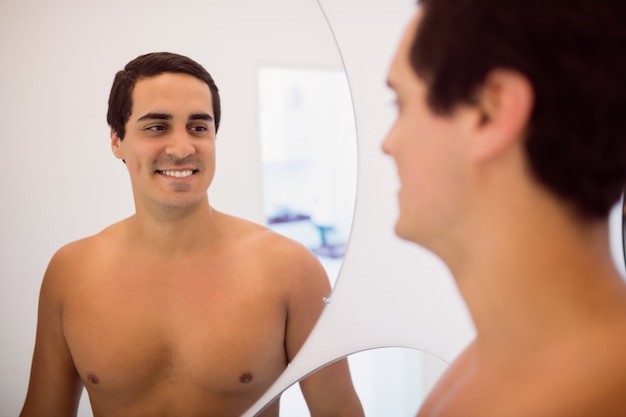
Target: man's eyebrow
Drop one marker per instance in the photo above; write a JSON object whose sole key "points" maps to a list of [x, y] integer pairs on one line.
{"points": [[157, 116], [166, 116], [201, 116]]}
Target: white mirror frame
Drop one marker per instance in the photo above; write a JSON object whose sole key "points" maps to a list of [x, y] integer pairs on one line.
{"points": [[390, 293]]}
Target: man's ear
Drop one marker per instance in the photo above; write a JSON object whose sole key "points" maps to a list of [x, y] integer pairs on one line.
{"points": [[504, 102], [116, 143]]}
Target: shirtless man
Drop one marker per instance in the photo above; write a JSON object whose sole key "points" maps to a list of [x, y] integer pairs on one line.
{"points": [[510, 145], [178, 310]]}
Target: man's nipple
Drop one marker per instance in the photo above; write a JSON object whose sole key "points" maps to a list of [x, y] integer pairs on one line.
{"points": [[91, 377], [246, 377]]}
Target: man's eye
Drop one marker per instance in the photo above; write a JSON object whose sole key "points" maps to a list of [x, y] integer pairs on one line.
{"points": [[199, 128], [155, 128]]}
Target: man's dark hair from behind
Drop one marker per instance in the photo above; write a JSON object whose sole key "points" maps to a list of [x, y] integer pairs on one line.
{"points": [[573, 52]]}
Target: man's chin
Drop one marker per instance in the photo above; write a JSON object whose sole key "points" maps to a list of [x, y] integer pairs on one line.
{"points": [[408, 232], [401, 230]]}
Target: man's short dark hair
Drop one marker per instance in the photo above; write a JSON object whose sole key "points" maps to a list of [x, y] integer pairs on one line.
{"points": [[573, 52], [150, 65]]}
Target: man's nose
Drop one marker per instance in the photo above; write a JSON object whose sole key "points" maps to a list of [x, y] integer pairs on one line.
{"points": [[180, 144]]}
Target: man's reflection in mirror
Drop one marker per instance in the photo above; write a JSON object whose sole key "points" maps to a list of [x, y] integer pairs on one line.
{"points": [[510, 146], [179, 309]]}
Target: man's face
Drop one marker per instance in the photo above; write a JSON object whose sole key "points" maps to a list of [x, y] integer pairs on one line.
{"points": [[169, 147], [428, 150]]}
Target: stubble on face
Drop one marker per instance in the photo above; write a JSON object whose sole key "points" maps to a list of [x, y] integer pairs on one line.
{"points": [[172, 141]]}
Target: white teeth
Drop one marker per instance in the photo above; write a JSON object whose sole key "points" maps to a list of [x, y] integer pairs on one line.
{"points": [[178, 174]]}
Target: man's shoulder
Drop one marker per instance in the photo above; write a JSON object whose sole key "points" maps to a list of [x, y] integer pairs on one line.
{"points": [[246, 232], [281, 254], [76, 255], [77, 249], [580, 378]]}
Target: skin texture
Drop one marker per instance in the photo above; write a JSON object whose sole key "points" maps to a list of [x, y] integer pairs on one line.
{"points": [[548, 304], [178, 309]]}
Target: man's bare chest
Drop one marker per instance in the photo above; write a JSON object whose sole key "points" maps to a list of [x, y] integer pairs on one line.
{"points": [[133, 330]]}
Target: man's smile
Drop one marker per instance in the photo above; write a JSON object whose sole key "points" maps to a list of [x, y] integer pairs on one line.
{"points": [[177, 174]]}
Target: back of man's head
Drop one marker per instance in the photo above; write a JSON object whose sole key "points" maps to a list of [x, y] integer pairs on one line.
{"points": [[573, 52]]}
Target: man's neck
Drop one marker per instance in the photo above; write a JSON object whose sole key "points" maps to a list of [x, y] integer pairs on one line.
{"points": [[524, 289], [175, 231]]}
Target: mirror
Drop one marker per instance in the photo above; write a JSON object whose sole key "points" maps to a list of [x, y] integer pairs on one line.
{"points": [[390, 382], [62, 183], [308, 148]]}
